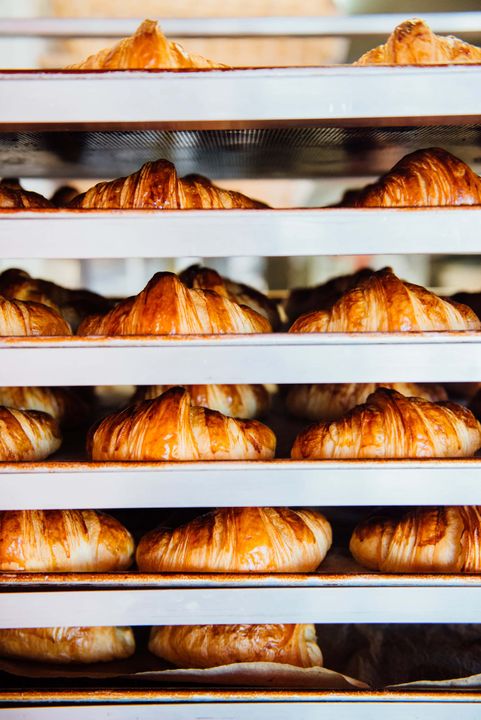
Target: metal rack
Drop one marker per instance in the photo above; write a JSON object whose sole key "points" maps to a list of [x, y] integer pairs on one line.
{"points": [[407, 107]]}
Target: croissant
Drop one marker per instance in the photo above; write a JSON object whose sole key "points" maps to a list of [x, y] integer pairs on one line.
{"points": [[12, 195], [19, 318], [428, 540], [27, 435], [203, 646], [169, 428], [199, 278], [157, 186], [330, 402], [384, 303], [304, 300], [390, 425], [63, 404], [166, 307], [68, 644], [146, 49], [239, 401], [239, 540], [414, 43], [424, 178], [63, 541], [471, 299], [73, 305]]}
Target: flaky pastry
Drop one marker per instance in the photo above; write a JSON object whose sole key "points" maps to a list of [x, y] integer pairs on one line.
{"points": [[27, 435]]}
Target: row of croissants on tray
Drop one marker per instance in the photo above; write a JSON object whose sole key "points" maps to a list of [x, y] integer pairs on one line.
{"points": [[430, 177]]}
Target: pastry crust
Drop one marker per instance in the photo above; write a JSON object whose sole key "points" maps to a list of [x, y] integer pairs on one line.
{"points": [[169, 428], [200, 278], [414, 43], [330, 402], [27, 435], [425, 178], [13, 196], [203, 646], [166, 307], [384, 303], [146, 49], [239, 401], [428, 540], [158, 187], [68, 644], [307, 299], [390, 425], [239, 540], [18, 318], [63, 541], [63, 404]]}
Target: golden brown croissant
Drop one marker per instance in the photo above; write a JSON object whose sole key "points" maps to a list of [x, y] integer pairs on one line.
{"points": [[63, 404], [304, 300], [203, 646], [329, 402], [73, 305], [239, 540], [157, 186], [414, 43], [166, 307], [239, 401], [390, 425], [12, 195], [200, 278], [18, 318], [384, 303], [68, 644], [27, 435], [169, 428], [425, 178], [146, 49], [63, 541], [427, 540]]}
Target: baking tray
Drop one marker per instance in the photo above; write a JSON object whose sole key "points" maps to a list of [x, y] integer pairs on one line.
{"points": [[306, 232], [258, 358], [338, 95]]}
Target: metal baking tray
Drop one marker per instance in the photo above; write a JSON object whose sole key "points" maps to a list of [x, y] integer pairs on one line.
{"points": [[342, 95], [306, 232], [256, 152], [334, 483], [265, 358]]}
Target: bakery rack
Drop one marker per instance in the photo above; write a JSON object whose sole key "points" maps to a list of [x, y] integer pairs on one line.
{"points": [[304, 122]]}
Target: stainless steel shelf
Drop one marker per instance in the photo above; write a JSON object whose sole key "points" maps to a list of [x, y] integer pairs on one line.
{"points": [[228, 484], [340, 95], [233, 27], [213, 233], [269, 358]]}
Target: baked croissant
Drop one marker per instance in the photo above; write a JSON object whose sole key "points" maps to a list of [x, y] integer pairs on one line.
{"points": [[18, 318], [27, 435], [384, 303], [427, 540], [146, 49], [63, 404], [68, 644], [204, 646], [166, 307], [390, 425], [424, 178], [63, 541], [157, 186], [169, 428], [414, 43], [239, 540], [330, 402], [304, 300], [13, 196], [239, 401], [73, 305], [200, 278]]}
